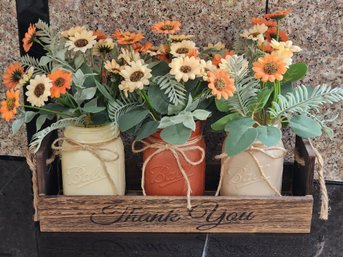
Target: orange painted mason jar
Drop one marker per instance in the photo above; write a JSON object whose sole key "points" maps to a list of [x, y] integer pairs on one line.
{"points": [[162, 172]]}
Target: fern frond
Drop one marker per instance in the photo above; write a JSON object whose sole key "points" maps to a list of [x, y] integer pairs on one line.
{"points": [[238, 67], [300, 100], [120, 106], [174, 90], [29, 61], [244, 96], [37, 138], [45, 34]]}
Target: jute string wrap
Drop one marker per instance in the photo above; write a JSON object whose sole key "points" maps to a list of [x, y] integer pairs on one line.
{"points": [[96, 149], [324, 206], [254, 148], [161, 146], [31, 162]]}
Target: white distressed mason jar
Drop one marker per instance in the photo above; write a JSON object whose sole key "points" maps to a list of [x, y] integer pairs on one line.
{"points": [[255, 172], [82, 172]]}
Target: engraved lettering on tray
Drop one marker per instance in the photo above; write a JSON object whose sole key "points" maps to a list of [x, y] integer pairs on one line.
{"points": [[242, 176], [208, 215], [164, 175], [81, 176]]}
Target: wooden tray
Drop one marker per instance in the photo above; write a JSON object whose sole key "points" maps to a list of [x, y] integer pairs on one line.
{"points": [[291, 213]]}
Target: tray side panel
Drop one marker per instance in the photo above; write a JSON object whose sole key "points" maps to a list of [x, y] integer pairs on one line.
{"points": [[169, 214]]}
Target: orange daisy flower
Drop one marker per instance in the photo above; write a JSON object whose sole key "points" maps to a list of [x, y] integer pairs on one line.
{"points": [[166, 27], [99, 34], [217, 59], [270, 67], [29, 37], [9, 106], [266, 47], [277, 15], [259, 21], [61, 81], [193, 53], [221, 84], [271, 33], [138, 47], [229, 53], [12, 75], [127, 38]]}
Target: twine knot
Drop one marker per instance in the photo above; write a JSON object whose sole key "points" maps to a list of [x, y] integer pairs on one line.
{"points": [[176, 150]]}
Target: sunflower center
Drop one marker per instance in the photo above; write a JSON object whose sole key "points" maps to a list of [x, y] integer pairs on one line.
{"points": [[255, 34], [10, 102], [185, 68], [105, 49], [136, 76], [182, 50], [115, 70], [219, 84], [39, 89], [16, 76], [81, 42], [59, 82], [167, 27], [270, 68]]}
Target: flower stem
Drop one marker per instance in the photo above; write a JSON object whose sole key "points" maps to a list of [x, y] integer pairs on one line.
{"points": [[47, 110], [277, 30]]}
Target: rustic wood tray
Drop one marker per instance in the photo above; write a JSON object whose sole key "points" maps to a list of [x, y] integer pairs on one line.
{"points": [[291, 213]]}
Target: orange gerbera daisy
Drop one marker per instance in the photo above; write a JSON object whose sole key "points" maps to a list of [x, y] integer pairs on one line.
{"points": [[216, 59], [270, 67], [276, 15], [256, 21], [9, 106], [99, 34], [29, 37], [61, 81], [272, 32], [266, 47], [12, 75], [138, 47], [127, 38], [166, 27], [193, 53], [229, 53], [221, 84]]}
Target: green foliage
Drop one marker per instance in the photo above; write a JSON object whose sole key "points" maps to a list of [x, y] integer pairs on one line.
{"points": [[37, 138], [177, 134], [221, 123], [132, 118], [28, 61], [158, 99], [120, 106], [147, 129], [269, 135], [241, 134], [300, 100], [295, 72], [175, 91], [304, 126], [260, 100], [46, 35]]}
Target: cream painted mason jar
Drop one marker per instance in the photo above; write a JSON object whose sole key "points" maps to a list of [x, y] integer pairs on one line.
{"points": [[83, 173], [254, 172]]}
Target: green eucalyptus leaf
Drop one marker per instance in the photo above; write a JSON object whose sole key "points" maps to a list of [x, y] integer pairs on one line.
{"points": [[305, 127], [103, 90], [241, 135], [84, 94], [175, 109], [189, 122], [16, 125], [44, 60], [295, 72], [131, 119], [222, 105], [147, 129], [29, 115], [176, 135], [221, 123], [201, 114], [269, 135], [40, 121], [78, 61], [261, 100], [160, 69]]}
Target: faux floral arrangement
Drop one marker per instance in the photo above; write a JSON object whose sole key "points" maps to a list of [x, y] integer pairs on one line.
{"points": [[87, 79], [265, 97]]}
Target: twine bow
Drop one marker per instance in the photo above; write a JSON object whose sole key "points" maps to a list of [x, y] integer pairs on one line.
{"points": [[95, 149], [250, 151], [176, 150]]}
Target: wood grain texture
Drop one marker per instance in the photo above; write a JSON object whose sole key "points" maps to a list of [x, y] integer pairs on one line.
{"points": [[169, 214]]}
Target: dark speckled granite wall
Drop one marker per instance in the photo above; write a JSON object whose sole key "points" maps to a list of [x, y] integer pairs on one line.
{"points": [[316, 26]]}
